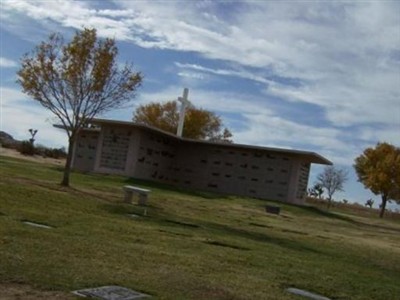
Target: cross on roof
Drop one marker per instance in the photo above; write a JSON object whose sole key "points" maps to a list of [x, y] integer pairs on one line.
{"points": [[185, 103]]}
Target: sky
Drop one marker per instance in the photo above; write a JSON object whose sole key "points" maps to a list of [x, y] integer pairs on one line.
{"points": [[320, 76]]}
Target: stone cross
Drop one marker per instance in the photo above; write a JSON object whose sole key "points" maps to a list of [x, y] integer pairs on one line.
{"points": [[185, 103]]}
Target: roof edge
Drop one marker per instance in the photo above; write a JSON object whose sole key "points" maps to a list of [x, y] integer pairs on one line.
{"points": [[313, 157]]}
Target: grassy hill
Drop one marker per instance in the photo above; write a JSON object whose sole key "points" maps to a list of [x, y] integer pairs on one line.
{"points": [[185, 245]]}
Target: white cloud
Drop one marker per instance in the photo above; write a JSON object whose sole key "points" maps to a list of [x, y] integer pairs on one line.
{"points": [[18, 114], [389, 134], [193, 75], [70, 14], [7, 63], [225, 72], [343, 104], [345, 55]]}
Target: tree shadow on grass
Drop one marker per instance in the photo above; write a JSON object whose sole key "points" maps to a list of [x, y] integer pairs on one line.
{"points": [[117, 209], [350, 220], [324, 213], [261, 237], [229, 231], [162, 220], [94, 195], [226, 245], [59, 169], [171, 188]]}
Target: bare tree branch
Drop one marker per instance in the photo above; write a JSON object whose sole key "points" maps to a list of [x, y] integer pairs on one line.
{"points": [[332, 180], [77, 81]]}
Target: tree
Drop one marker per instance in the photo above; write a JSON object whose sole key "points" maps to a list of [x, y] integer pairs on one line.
{"points": [[379, 170], [316, 191], [369, 203], [332, 179], [33, 133], [200, 124], [77, 81]]}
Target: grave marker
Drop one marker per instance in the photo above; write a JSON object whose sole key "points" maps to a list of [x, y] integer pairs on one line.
{"points": [[36, 225], [306, 294], [111, 292]]}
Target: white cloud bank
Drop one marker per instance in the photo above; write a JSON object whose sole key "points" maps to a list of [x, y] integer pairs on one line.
{"points": [[345, 56], [18, 114], [7, 63]]}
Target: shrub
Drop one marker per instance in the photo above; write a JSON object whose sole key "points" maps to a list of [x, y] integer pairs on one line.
{"points": [[50, 152], [10, 144], [55, 153], [26, 148]]}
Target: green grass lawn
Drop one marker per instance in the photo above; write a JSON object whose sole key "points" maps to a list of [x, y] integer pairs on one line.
{"points": [[189, 245]]}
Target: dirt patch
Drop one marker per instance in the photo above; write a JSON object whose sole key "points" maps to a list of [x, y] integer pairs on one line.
{"points": [[36, 158], [16, 291]]}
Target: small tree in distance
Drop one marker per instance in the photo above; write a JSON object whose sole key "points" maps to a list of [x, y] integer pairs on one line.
{"points": [[316, 191], [332, 180], [379, 170], [77, 81], [33, 133], [369, 203], [200, 124]]}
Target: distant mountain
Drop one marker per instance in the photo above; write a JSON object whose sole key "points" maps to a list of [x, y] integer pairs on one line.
{"points": [[7, 140]]}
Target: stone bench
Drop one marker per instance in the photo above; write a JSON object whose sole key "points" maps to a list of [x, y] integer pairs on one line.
{"points": [[129, 190]]}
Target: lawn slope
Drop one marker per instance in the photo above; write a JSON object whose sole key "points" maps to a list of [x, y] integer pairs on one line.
{"points": [[185, 245]]}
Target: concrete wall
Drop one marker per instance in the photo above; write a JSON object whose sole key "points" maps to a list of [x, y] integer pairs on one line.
{"points": [[155, 158], [243, 172], [303, 181], [116, 150], [150, 155], [222, 169], [85, 151], [298, 181]]}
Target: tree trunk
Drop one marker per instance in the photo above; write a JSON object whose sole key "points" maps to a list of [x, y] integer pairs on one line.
{"points": [[383, 206], [67, 168], [329, 202]]}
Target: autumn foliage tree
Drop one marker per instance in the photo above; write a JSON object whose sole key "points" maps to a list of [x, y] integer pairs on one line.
{"points": [[200, 124], [332, 180], [77, 81], [379, 170]]}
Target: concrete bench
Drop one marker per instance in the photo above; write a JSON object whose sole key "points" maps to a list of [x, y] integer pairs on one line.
{"points": [[129, 190]]}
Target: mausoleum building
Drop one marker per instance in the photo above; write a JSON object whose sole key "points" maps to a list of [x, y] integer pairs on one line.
{"points": [[142, 152]]}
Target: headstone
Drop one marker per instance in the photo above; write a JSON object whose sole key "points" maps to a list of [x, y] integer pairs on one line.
{"points": [[134, 216], [37, 225], [306, 294], [111, 292], [272, 209]]}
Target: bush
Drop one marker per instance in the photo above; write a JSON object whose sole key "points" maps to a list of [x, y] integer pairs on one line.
{"points": [[26, 148], [50, 152], [10, 144], [55, 153]]}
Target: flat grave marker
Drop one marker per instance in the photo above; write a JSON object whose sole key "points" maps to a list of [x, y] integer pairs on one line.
{"points": [[135, 216], [37, 225], [306, 294], [111, 292], [271, 209]]}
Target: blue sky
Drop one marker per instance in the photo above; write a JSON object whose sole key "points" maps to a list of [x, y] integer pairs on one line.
{"points": [[322, 76]]}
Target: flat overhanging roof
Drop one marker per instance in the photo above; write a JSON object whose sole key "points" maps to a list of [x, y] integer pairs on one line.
{"points": [[311, 157]]}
